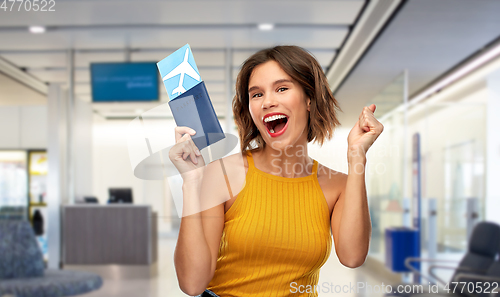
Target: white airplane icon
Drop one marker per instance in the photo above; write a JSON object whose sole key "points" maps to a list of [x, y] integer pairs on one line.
{"points": [[183, 68]]}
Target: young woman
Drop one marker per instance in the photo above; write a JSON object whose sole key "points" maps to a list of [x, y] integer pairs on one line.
{"points": [[260, 223]]}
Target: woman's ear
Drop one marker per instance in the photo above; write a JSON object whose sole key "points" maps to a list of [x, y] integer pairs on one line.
{"points": [[308, 104]]}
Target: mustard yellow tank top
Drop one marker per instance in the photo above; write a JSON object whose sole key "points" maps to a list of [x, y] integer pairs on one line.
{"points": [[276, 237]]}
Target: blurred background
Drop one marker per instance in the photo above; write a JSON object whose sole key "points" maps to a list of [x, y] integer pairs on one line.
{"points": [[432, 67]]}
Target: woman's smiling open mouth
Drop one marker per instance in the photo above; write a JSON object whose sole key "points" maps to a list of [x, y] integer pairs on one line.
{"points": [[276, 123]]}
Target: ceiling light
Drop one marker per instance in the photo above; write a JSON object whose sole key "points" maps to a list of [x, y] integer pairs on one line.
{"points": [[266, 27], [37, 29]]}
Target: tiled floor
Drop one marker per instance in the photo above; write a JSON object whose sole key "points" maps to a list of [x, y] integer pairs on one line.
{"points": [[165, 282]]}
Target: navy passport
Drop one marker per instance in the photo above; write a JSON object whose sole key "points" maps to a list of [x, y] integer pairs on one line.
{"points": [[194, 109]]}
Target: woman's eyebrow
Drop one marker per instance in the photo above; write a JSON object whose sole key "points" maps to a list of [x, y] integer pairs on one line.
{"points": [[252, 88], [279, 81]]}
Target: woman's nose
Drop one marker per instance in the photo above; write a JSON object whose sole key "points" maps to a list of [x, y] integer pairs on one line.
{"points": [[269, 101]]}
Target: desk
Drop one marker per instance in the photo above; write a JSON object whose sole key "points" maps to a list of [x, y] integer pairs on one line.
{"points": [[109, 234]]}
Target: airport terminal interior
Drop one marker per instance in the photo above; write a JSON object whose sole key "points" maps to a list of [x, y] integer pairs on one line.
{"points": [[90, 205]]}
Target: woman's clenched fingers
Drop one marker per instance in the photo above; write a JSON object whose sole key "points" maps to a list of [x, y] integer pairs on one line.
{"points": [[181, 131]]}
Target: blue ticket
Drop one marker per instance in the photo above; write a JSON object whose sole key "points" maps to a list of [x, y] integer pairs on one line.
{"points": [[179, 72]]}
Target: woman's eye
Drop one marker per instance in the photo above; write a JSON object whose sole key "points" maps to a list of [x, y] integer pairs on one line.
{"points": [[282, 89], [256, 95]]}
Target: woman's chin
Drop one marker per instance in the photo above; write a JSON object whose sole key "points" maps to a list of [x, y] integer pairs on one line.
{"points": [[279, 144]]}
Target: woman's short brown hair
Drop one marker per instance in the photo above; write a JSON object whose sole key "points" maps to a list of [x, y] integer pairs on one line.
{"points": [[303, 68]]}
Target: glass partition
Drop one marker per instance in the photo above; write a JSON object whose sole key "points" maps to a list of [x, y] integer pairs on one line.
{"points": [[385, 166], [452, 151], [453, 165]]}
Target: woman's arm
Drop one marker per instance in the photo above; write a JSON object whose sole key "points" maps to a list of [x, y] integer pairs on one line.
{"points": [[202, 219], [351, 224], [192, 255], [200, 232]]}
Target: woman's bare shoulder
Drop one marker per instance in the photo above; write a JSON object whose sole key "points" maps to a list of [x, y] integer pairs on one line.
{"points": [[332, 181], [233, 162], [326, 172], [236, 158], [236, 168], [224, 177], [233, 166]]}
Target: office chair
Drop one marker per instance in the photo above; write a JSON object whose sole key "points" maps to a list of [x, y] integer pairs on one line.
{"points": [[483, 247], [492, 276]]}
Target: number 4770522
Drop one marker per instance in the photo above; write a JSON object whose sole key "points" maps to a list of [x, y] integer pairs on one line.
{"points": [[28, 5]]}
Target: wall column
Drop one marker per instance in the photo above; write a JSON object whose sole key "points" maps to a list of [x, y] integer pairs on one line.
{"points": [[492, 204], [56, 179]]}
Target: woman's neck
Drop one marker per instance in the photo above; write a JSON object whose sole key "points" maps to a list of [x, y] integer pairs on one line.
{"points": [[292, 162]]}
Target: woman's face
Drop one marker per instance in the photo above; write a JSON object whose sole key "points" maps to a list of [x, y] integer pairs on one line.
{"points": [[278, 105]]}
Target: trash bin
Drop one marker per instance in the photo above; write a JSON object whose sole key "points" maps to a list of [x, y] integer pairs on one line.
{"points": [[401, 243]]}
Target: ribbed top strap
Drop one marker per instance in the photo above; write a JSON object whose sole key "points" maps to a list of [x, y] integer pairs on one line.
{"points": [[315, 168], [250, 160]]}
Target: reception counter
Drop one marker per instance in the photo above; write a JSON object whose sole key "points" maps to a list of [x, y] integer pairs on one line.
{"points": [[109, 234]]}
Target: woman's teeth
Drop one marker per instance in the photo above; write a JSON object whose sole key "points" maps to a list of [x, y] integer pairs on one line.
{"points": [[273, 118]]}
